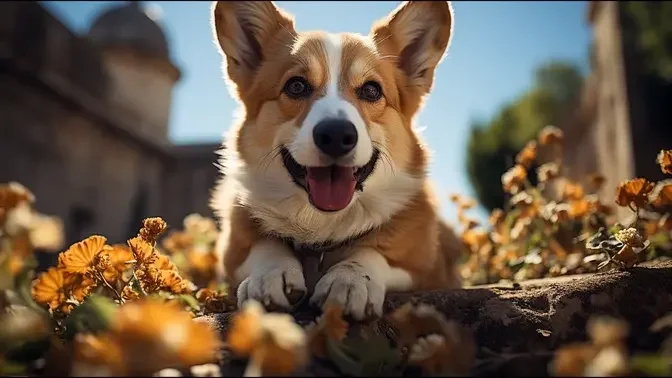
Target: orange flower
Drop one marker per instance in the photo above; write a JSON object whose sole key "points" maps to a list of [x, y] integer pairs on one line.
{"points": [[81, 256], [12, 194], [144, 253], [80, 286], [634, 191], [548, 172], [662, 194], [152, 228], [664, 159], [119, 256], [514, 179], [550, 135], [496, 217], [163, 262], [475, 239], [171, 280], [330, 326], [49, 288], [149, 335], [572, 190], [202, 262], [579, 208], [528, 154], [275, 344]]}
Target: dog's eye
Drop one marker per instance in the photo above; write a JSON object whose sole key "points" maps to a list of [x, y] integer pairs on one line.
{"points": [[370, 91], [297, 87]]}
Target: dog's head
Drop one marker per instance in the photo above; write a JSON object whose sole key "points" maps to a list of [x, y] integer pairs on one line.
{"points": [[327, 117]]}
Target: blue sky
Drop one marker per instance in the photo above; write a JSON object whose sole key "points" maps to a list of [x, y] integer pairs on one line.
{"points": [[495, 49]]}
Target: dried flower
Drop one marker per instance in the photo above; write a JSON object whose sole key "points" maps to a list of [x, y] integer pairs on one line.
{"points": [[514, 179], [664, 160], [551, 135], [528, 154], [633, 191]]}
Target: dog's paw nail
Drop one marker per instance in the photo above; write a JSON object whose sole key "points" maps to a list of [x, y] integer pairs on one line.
{"points": [[294, 296]]}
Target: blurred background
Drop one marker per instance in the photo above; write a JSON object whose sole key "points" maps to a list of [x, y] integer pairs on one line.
{"points": [[111, 111]]}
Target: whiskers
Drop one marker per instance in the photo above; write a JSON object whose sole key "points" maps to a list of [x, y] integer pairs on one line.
{"points": [[268, 159], [384, 155]]}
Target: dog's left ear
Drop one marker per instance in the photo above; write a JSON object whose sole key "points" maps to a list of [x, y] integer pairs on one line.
{"points": [[418, 34]]}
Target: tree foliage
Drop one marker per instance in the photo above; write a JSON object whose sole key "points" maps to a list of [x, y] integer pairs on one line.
{"points": [[652, 33], [493, 145]]}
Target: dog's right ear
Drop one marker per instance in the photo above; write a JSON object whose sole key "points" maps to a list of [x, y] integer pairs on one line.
{"points": [[243, 30]]}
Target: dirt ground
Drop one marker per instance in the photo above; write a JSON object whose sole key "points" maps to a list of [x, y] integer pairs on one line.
{"points": [[516, 328]]}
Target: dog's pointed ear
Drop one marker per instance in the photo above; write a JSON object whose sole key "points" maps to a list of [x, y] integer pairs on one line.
{"points": [[244, 30], [418, 34]]}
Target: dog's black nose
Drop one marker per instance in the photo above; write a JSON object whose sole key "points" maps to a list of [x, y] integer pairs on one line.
{"points": [[335, 137]]}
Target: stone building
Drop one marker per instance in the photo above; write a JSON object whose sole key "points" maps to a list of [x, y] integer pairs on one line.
{"points": [[84, 122], [622, 118]]}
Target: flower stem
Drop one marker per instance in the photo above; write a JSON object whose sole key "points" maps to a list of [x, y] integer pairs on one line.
{"points": [[107, 284]]}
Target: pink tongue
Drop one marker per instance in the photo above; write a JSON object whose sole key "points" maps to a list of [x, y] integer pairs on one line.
{"points": [[331, 188]]}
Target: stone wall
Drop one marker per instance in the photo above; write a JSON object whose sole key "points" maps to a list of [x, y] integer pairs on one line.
{"points": [[87, 160]]}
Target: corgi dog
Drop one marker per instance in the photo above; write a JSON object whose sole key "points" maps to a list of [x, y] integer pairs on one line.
{"points": [[324, 192]]}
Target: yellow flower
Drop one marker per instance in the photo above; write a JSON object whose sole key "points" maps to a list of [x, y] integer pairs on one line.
{"points": [[514, 178], [49, 288], [551, 135], [82, 255], [634, 191], [664, 159], [527, 155]]}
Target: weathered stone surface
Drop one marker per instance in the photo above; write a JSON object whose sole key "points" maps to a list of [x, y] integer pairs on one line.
{"points": [[517, 328]]}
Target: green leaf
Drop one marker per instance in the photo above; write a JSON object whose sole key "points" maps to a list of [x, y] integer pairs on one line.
{"points": [[374, 354], [9, 368], [345, 363], [652, 365], [94, 315], [190, 301]]}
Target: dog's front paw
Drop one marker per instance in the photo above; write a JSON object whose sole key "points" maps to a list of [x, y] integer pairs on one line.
{"points": [[349, 285], [279, 288]]}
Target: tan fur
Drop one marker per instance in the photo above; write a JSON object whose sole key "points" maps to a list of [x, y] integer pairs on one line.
{"points": [[414, 238]]}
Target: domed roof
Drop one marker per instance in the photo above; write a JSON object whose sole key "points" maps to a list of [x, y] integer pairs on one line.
{"points": [[129, 25]]}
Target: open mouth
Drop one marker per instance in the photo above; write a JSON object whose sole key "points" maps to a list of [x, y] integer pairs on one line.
{"points": [[329, 188]]}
